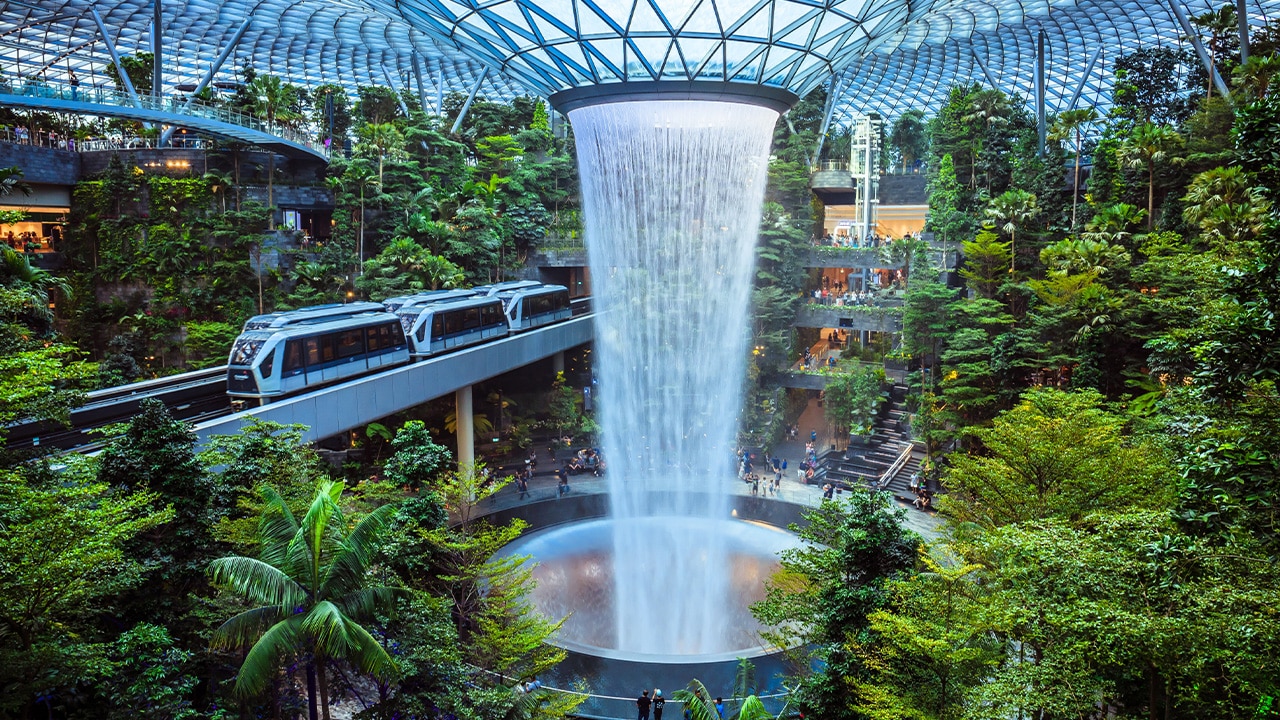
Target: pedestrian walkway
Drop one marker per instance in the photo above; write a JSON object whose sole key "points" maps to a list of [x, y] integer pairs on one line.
{"points": [[543, 485]]}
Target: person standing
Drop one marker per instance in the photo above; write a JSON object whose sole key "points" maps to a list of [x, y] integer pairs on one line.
{"points": [[642, 704], [658, 703], [720, 707]]}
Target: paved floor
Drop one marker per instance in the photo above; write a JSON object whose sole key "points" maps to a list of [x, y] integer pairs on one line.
{"points": [[543, 485]]}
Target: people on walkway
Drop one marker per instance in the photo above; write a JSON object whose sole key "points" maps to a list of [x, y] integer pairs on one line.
{"points": [[658, 703], [642, 704]]}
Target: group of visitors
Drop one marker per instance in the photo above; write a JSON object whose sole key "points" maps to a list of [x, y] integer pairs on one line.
{"points": [[919, 488], [657, 703], [27, 242], [586, 460], [872, 240]]}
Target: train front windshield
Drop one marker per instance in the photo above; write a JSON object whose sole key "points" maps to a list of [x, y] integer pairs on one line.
{"points": [[245, 350]]}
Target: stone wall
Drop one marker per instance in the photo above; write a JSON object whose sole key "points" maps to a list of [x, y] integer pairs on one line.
{"points": [[42, 165]]}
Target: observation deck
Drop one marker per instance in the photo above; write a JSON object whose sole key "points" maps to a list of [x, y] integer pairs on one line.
{"points": [[218, 122]]}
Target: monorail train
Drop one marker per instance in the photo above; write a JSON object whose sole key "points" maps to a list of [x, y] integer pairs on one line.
{"points": [[281, 318], [291, 351], [434, 328], [393, 304], [270, 363], [531, 307]]}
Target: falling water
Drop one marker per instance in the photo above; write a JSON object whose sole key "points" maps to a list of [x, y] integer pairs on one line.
{"points": [[672, 192]]}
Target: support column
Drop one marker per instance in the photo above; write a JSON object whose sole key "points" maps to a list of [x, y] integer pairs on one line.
{"points": [[466, 426], [557, 362], [462, 114], [1205, 58], [1088, 70], [115, 57], [208, 76], [157, 64], [1041, 127], [404, 108], [1242, 17]]}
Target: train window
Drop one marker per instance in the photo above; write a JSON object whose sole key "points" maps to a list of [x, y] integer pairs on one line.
{"points": [[422, 332], [395, 335], [371, 339], [471, 319], [268, 364], [452, 323], [350, 343], [293, 355], [243, 352], [562, 300], [313, 351], [327, 348], [437, 326]]}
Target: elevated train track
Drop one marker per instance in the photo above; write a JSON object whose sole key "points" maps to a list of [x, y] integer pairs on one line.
{"points": [[200, 397]]}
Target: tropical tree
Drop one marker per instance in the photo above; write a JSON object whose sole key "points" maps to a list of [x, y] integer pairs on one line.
{"points": [[904, 251], [11, 182], [1114, 223], [382, 139], [358, 180], [311, 590], [1225, 205], [1255, 76], [1011, 210], [273, 100], [909, 138], [1148, 145], [1071, 125]]}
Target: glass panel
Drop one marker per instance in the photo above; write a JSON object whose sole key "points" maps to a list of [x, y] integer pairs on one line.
{"points": [[293, 355], [350, 343], [244, 350], [268, 364]]}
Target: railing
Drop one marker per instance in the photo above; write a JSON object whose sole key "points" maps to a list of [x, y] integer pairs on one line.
{"points": [[173, 105], [141, 143], [831, 166], [895, 468]]}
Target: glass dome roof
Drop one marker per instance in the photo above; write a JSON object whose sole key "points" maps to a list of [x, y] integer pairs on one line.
{"points": [[886, 56]]}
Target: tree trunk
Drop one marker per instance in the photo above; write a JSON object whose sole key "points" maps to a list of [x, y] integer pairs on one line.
{"points": [[1075, 185], [1151, 196], [312, 714], [271, 202], [323, 682]]}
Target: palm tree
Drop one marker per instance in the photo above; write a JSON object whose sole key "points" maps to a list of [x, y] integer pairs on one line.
{"points": [[1011, 209], [1113, 223], [902, 251], [383, 138], [1147, 145], [1068, 124], [311, 592], [273, 101], [11, 182], [357, 179], [1254, 77], [1220, 23], [1225, 206], [17, 273], [992, 108], [218, 183]]}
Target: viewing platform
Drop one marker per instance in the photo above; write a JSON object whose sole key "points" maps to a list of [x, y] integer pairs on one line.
{"points": [[214, 121]]}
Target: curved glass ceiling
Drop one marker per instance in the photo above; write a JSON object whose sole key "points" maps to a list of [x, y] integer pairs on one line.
{"points": [[886, 55]]}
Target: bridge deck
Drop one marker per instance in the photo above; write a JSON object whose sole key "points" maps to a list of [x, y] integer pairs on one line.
{"points": [[215, 121], [338, 409]]}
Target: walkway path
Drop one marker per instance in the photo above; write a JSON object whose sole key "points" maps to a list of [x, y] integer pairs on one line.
{"points": [[543, 485], [220, 122]]}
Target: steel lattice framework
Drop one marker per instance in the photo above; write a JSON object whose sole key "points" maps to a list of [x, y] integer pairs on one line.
{"points": [[881, 56]]}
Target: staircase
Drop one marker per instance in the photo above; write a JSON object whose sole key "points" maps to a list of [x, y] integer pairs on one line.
{"points": [[865, 465]]}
